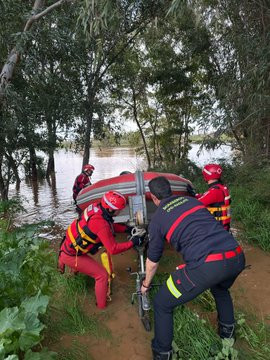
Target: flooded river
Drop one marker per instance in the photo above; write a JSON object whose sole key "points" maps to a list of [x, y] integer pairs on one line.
{"points": [[46, 201]]}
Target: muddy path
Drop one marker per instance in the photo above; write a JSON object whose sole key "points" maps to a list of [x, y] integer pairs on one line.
{"points": [[129, 340]]}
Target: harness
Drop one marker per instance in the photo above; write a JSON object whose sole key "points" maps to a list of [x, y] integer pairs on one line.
{"points": [[221, 210], [81, 238]]}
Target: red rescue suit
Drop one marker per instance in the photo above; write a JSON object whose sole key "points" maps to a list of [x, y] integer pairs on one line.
{"points": [[80, 182], [93, 229], [217, 200]]}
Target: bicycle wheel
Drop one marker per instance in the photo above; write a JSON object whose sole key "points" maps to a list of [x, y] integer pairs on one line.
{"points": [[140, 307], [146, 321]]}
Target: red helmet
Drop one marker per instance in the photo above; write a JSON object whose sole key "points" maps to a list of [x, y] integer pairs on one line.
{"points": [[113, 200], [212, 172], [88, 167]]}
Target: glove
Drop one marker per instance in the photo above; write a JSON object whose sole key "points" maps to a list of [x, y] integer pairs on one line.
{"points": [[137, 240], [129, 229], [95, 248], [190, 190]]}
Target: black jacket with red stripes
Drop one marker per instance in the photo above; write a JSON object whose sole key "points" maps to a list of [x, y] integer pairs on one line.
{"points": [[189, 227]]}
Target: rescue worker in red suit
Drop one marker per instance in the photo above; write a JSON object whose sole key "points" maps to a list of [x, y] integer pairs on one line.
{"points": [[213, 260], [217, 199], [82, 180], [85, 235]]}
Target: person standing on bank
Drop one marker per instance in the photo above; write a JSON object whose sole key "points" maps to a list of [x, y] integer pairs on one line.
{"points": [[217, 198], [82, 180], [213, 260]]}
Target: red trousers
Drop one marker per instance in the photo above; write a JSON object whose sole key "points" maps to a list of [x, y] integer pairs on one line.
{"points": [[87, 265]]}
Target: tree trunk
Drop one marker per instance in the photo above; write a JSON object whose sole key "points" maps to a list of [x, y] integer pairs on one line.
{"points": [[33, 164], [3, 189], [135, 114], [4, 185], [51, 127], [51, 165], [89, 121], [14, 168], [87, 141]]}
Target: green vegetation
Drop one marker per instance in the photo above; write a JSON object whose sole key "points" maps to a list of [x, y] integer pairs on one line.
{"points": [[87, 67], [250, 208], [196, 339], [76, 351], [25, 283], [69, 316]]}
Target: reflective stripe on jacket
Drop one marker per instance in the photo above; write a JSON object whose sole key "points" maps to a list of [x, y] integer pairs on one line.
{"points": [[78, 236]]}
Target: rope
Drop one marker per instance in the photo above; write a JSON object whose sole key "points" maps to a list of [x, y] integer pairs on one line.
{"points": [[136, 231]]}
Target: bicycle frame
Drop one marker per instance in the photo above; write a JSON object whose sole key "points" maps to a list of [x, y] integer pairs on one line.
{"points": [[142, 300]]}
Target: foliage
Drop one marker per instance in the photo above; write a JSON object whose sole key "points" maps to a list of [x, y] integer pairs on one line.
{"points": [[20, 327], [250, 195], [25, 275], [256, 336], [239, 57], [195, 338], [69, 312]]}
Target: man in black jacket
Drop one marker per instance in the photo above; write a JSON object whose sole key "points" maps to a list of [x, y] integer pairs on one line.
{"points": [[213, 260]]}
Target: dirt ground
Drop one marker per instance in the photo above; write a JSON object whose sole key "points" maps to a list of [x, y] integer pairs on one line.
{"points": [[130, 341]]}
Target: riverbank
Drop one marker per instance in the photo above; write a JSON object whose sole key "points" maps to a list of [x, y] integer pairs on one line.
{"points": [[78, 330]]}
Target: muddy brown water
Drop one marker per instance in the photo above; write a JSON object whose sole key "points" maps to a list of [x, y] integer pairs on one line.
{"points": [[44, 200]]}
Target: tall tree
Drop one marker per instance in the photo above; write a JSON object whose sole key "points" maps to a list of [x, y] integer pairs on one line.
{"points": [[39, 10]]}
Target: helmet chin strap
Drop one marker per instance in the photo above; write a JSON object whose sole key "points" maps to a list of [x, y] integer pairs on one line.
{"points": [[107, 213]]}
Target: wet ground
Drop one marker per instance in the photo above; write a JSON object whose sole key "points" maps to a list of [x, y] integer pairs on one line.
{"points": [[130, 341]]}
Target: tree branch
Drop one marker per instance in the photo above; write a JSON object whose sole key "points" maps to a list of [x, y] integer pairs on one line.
{"points": [[14, 55]]}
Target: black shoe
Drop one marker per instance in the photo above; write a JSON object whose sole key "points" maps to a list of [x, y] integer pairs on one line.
{"points": [[162, 355], [226, 331]]}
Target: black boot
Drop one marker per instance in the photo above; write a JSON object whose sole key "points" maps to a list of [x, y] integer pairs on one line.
{"points": [[226, 331], [162, 355]]}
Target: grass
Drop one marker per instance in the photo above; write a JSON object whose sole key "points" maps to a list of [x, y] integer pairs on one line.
{"points": [[67, 315], [196, 339], [77, 351], [253, 215]]}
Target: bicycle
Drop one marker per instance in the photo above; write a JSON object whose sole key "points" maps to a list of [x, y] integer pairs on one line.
{"points": [[143, 301]]}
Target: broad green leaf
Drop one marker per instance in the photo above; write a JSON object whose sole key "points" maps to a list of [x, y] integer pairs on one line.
{"points": [[28, 339], [11, 320], [36, 304], [31, 335]]}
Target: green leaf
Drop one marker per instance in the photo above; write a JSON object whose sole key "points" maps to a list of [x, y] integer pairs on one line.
{"points": [[11, 320], [12, 357], [31, 335], [36, 304], [43, 355]]}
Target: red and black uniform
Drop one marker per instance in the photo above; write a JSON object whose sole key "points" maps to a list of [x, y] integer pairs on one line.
{"points": [[217, 200], [93, 229], [80, 182], [213, 260]]}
